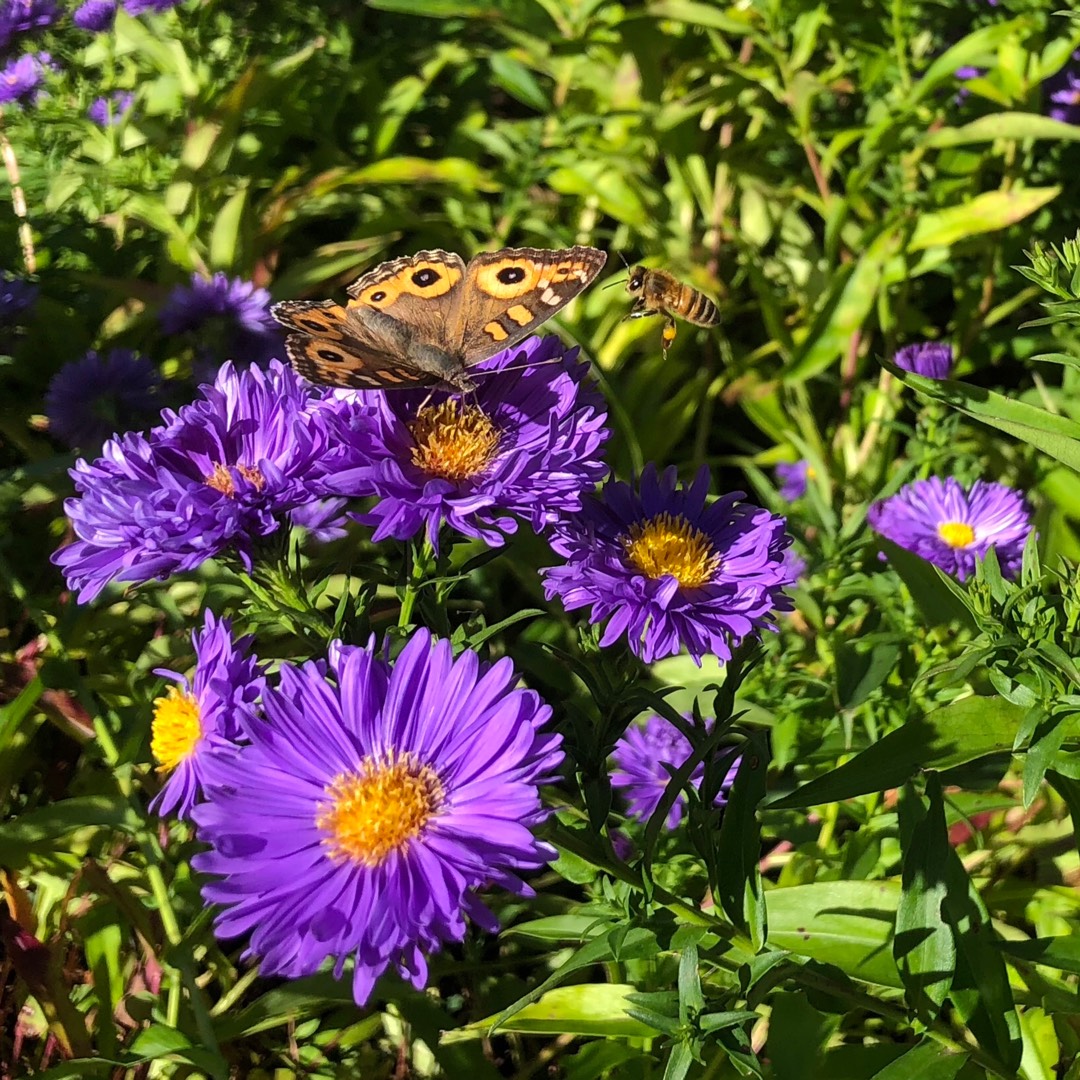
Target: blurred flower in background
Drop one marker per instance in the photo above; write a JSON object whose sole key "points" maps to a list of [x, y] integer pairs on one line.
{"points": [[112, 109], [931, 359], [95, 15], [100, 395], [20, 80], [793, 478]]}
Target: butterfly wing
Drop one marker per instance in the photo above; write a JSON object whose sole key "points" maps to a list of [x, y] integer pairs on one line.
{"points": [[338, 347], [421, 291], [508, 294]]}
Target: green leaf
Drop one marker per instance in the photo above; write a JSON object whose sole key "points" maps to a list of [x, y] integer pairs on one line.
{"points": [[956, 733], [739, 888], [929, 586], [518, 81], [845, 923], [39, 830], [985, 213], [923, 947], [1062, 952], [928, 1060], [225, 236], [558, 928], [1003, 125], [590, 1009], [1055, 435]]}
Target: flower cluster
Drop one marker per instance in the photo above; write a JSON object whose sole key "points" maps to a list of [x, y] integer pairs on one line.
{"points": [[525, 445], [352, 806], [952, 527], [645, 758], [219, 475], [669, 569], [97, 15], [101, 394]]}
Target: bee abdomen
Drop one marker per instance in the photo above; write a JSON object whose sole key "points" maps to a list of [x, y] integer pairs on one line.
{"points": [[700, 310]]}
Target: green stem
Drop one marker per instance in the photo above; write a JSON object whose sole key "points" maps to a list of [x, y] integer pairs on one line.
{"points": [[419, 566]]}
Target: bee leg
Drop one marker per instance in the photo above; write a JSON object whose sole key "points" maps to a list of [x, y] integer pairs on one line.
{"points": [[638, 311], [667, 336]]}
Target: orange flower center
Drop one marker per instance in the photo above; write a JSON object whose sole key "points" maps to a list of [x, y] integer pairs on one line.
{"points": [[669, 544], [956, 534], [176, 728], [379, 808], [453, 441], [221, 479]]}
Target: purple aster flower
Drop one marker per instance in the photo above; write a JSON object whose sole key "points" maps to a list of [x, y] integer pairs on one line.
{"points": [[953, 528], [18, 17], [202, 716], [1063, 90], [526, 444], [646, 756], [930, 359], [111, 110], [793, 478], [221, 474], [90, 399], [20, 80], [794, 564], [233, 312], [669, 569], [140, 7], [16, 295], [370, 806], [95, 15]]}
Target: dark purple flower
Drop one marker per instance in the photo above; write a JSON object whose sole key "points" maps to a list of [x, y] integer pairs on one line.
{"points": [[90, 399], [670, 570], [221, 474], [140, 7], [16, 296], [20, 80], [202, 716], [794, 564], [953, 528], [793, 478], [371, 805], [111, 110], [18, 17], [95, 15], [1063, 91], [526, 445], [646, 756], [230, 318], [930, 359]]}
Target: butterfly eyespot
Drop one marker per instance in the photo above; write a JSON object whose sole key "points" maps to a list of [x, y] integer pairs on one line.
{"points": [[424, 278], [511, 275], [377, 297], [329, 356]]}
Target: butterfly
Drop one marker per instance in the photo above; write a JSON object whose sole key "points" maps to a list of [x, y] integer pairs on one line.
{"points": [[426, 319]]}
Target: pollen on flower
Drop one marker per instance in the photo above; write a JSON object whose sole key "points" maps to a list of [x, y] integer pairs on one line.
{"points": [[379, 808], [221, 479], [453, 442], [669, 544], [176, 728], [956, 534]]}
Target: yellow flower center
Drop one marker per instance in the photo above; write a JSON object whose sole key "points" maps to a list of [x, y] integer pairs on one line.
{"points": [[669, 544], [378, 809], [221, 479], [956, 534], [453, 441], [176, 728]]}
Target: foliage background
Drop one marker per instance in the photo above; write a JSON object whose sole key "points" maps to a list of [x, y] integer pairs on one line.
{"points": [[824, 172]]}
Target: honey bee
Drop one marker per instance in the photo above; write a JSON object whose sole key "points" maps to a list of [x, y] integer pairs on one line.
{"points": [[656, 292]]}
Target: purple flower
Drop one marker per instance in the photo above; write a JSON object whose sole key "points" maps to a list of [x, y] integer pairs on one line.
{"points": [[793, 478], [370, 806], [90, 399], [112, 109], [16, 295], [139, 7], [202, 716], [1063, 90], [953, 528], [234, 313], [670, 570], [794, 564], [20, 80], [18, 17], [930, 359], [527, 444], [95, 15], [221, 474], [640, 758]]}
